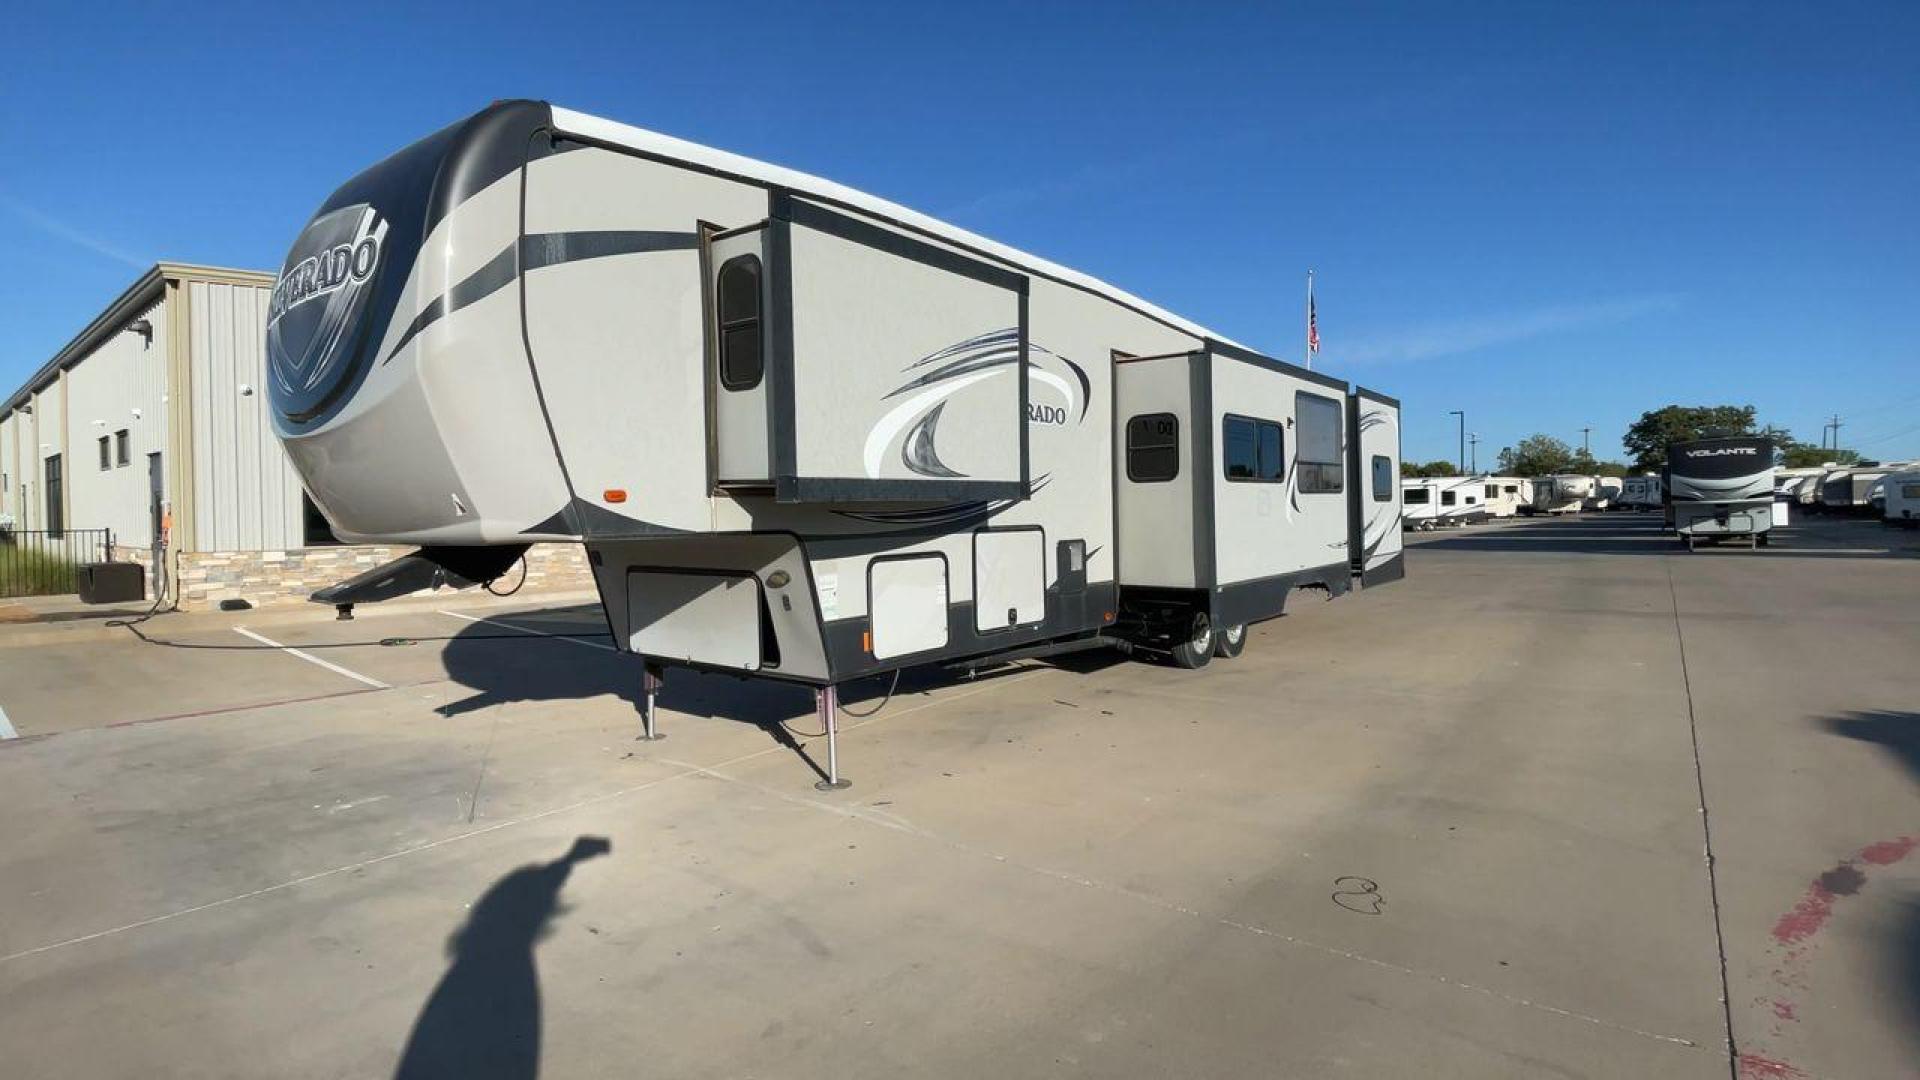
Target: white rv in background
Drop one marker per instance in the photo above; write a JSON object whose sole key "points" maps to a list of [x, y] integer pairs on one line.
{"points": [[803, 433], [1903, 499], [1640, 493], [1505, 496], [1607, 491], [1562, 493]]}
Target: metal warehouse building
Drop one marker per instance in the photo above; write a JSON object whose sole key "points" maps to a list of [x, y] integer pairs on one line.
{"points": [[151, 426]]}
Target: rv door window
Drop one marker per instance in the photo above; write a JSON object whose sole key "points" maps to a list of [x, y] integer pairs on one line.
{"points": [[739, 311], [1253, 450], [1383, 479], [1318, 443], [1153, 448]]}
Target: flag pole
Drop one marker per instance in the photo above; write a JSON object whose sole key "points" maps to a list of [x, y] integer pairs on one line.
{"points": [[1308, 353]]}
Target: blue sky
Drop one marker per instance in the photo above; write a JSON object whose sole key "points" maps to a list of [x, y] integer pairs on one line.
{"points": [[1551, 216]]}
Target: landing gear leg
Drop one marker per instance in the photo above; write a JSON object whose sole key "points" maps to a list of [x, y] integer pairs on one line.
{"points": [[827, 701], [650, 683]]}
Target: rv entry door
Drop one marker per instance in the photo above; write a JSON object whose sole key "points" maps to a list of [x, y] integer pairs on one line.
{"points": [[738, 294]]}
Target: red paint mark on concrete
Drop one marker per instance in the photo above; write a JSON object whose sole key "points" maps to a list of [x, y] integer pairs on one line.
{"points": [[1784, 1010], [1888, 852], [1755, 1067], [1807, 917]]}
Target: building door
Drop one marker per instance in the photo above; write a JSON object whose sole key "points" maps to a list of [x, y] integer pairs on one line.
{"points": [[156, 488], [56, 521]]}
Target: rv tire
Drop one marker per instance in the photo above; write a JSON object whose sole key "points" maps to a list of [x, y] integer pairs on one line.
{"points": [[1230, 642], [1198, 648]]}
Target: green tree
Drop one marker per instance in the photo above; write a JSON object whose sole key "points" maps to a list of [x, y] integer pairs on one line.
{"points": [[1538, 455], [1647, 439], [1802, 456]]}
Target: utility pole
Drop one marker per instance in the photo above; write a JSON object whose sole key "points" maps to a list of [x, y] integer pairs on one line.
{"points": [[1463, 437], [1832, 425], [1473, 440], [1586, 444]]}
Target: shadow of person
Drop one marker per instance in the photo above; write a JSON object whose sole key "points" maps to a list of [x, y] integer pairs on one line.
{"points": [[483, 1019]]}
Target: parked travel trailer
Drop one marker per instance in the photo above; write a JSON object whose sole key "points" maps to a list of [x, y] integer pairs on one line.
{"points": [[1607, 491], [803, 433], [1420, 501], [1850, 491], [1562, 494], [1903, 499], [1720, 487], [1639, 493], [1505, 496]]}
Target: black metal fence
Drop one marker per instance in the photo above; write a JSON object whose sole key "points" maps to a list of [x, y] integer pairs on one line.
{"points": [[40, 562]]}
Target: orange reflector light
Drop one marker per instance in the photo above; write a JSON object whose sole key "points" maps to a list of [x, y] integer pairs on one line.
{"points": [[615, 495], [1106, 616], [866, 641]]}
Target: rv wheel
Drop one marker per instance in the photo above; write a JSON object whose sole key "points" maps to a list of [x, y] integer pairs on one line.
{"points": [[1198, 649], [1230, 642]]}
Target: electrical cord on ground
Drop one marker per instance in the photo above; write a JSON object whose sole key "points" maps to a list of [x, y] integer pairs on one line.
{"points": [[516, 585], [162, 585], [787, 726]]}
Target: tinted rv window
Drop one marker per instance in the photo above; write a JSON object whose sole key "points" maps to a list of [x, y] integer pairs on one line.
{"points": [[1253, 449], [739, 310], [1493, 491], [1153, 448], [1318, 443], [1418, 496], [1383, 478], [1447, 498]]}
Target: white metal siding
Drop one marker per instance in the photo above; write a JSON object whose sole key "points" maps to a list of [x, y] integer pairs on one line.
{"points": [[123, 376], [246, 494]]}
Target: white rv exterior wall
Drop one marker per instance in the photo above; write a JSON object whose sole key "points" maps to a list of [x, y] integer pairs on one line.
{"points": [[105, 388], [246, 496]]}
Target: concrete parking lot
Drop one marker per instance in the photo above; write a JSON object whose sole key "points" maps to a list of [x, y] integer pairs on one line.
{"points": [[1568, 801]]}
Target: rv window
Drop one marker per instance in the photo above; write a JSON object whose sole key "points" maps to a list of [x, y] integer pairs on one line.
{"points": [[739, 311], [1317, 443], [1447, 498], [1493, 491], [1382, 478], [1513, 489], [1417, 496], [1153, 448], [1253, 449]]}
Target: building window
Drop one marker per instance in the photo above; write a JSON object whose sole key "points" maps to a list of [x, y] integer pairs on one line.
{"points": [[1318, 444], [741, 362], [1447, 498], [314, 530], [1382, 478], [1153, 448], [1253, 450], [56, 518], [122, 448], [106, 456]]}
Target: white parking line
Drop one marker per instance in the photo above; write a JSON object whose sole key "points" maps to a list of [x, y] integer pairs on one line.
{"points": [[312, 659], [529, 630], [6, 727]]}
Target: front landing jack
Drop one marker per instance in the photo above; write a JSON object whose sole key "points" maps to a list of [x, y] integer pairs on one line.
{"points": [[650, 683], [827, 702]]}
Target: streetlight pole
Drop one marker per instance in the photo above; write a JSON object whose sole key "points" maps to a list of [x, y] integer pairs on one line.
{"points": [[1463, 436], [1473, 440], [1586, 443]]}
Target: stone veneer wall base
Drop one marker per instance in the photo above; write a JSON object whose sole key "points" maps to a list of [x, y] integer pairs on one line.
{"points": [[263, 578]]}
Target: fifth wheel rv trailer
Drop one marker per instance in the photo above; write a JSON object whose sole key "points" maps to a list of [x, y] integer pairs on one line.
{"points": [[1562, 494], [1903, 499], [1721, 487], [1505, 496], [803, 433], [1606, 491]]}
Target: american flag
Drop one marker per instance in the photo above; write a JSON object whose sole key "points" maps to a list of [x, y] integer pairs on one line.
{"points": [[1313, 324]]}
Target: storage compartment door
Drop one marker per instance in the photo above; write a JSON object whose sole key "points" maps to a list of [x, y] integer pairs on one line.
{"points": [[700, 617], [1009, 578], [907, 599], [898, 366], [738, 294]]}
